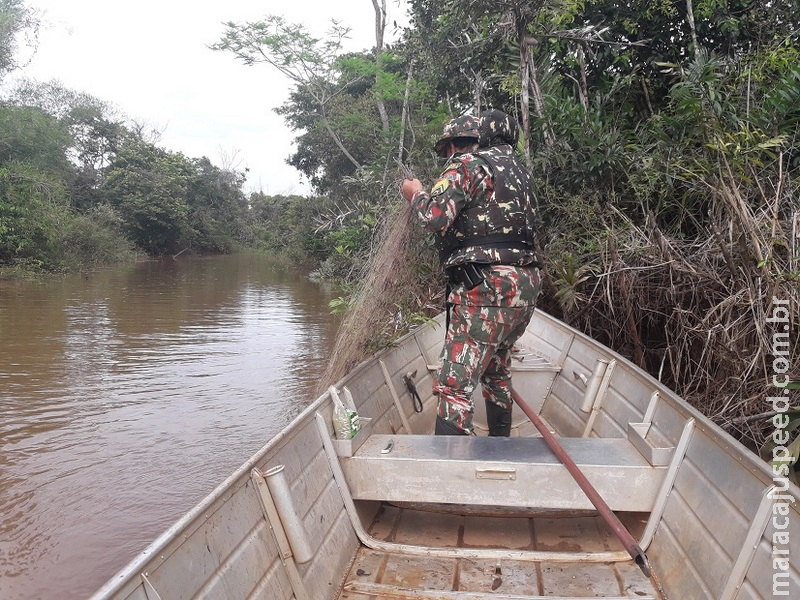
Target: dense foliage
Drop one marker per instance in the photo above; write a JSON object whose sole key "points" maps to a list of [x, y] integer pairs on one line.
{"points": [[82, 185]]}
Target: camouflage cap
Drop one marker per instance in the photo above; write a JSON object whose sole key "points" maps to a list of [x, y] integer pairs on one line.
{"points": [[465, 126], [497, 127]]}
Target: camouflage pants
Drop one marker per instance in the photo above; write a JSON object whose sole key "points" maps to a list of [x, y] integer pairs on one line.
{"points": [[478, 348]]}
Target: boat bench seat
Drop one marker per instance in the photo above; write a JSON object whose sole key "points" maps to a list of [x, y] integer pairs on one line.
{"points": [[495, 471]]}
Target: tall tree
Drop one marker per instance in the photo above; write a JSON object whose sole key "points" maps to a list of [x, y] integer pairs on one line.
{"points": [[97, 128], [149, 188], [304, 59], [380, 30], [217, 207], [33, 166], [15, 19], [33, 137], [484, 52]]}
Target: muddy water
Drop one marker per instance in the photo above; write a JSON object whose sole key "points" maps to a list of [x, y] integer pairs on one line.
{"points": [[127, 396]]}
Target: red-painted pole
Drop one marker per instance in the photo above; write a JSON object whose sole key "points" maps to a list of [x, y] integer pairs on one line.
{"points": [[608, 515]]}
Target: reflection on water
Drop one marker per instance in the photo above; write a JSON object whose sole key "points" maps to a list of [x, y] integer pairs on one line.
{"points": [[127, 396]]}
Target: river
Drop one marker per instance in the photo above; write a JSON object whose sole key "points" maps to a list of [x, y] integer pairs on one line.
{"points": [[126, 396]]}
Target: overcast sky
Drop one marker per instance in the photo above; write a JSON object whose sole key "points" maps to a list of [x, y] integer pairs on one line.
{"points": [[150, 59]]}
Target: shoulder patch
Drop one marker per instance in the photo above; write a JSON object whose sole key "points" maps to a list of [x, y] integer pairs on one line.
{"points": [[440, 187]]}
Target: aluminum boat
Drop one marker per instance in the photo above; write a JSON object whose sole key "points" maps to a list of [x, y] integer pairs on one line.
{"points": [[398, 513]]}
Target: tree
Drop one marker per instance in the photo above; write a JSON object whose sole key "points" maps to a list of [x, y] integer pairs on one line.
{"points": [[33, 203], [380, 30], [217, 207], [15, 19], [31, 211], [355, 115], [31, 136], [149, 188], [289, 225], [97, 130], [304, 59]]}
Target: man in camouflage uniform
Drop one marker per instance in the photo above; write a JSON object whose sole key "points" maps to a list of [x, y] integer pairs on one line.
{"points": [[481, 213]]}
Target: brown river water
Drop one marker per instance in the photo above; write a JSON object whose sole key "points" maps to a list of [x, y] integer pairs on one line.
{"points": [[127, 396]]}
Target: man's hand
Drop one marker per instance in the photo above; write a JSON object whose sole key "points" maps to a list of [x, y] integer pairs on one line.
{"points": [[410, 187]]}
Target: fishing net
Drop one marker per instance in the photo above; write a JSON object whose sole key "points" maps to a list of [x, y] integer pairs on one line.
{"points": [[399, 285]]}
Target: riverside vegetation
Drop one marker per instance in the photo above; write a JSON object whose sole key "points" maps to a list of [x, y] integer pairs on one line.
{"points": [[662, 138]]}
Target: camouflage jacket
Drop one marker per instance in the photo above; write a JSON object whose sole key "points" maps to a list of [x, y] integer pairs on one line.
{"points": [[469, 203]]}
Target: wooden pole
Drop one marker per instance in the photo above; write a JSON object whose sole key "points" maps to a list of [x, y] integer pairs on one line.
{"points": [[630, 544]]}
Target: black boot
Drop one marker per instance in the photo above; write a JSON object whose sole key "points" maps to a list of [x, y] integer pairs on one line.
{"points": [[444, 427], [499, 420]]}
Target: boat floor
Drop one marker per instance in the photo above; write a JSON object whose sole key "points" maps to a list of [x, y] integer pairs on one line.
{"points": [[383, 575]]}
